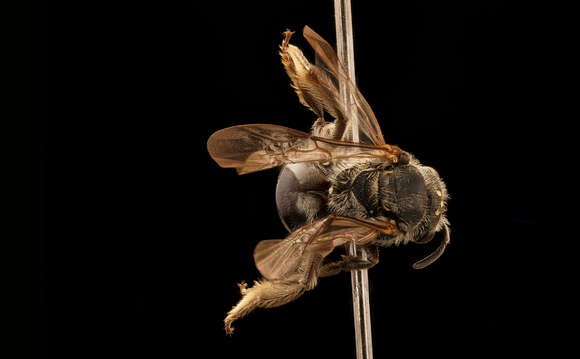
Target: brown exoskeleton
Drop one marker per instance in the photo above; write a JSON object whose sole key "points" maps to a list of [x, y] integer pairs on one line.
{"points": [[331, 190]]}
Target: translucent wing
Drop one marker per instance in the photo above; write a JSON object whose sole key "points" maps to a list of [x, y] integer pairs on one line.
{"points": [[275, 259], [278, 259], [250, 148], [317, 87]]}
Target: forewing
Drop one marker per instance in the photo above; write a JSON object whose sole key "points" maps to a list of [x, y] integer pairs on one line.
{"points": [[369, 129], [250, 148]]}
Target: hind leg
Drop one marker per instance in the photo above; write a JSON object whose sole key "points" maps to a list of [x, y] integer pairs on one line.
{"points": [[264, 294], [274, 293]]}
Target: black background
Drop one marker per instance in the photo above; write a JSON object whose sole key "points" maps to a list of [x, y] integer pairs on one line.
{"points": [[146, 236]]}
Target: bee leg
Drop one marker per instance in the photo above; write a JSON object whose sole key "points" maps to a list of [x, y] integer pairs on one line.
{"points": [[355, 262], [349, 263], [322, 128], [263, 294], [372, 254], [318, 125], [333, 268], [243, 287], [274, 293]]}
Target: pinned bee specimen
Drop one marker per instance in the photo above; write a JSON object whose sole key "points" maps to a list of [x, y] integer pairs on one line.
{"points": [[331, 190]]}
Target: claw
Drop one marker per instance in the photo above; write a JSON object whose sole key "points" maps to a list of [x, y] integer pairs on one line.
{"points": [[287, 35], [243, 287], [228, 326]]}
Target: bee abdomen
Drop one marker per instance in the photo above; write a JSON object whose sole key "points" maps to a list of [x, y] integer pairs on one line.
{"points": [[301, 195]]}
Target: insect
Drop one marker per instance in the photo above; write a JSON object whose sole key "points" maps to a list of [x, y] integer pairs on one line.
{"points": [[331, 190]]}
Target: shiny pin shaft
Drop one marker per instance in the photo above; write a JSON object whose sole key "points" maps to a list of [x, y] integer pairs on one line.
{"points": [[359, 278]]}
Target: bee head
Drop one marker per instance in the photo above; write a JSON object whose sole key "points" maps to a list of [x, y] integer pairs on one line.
{"points": [[403, 195], [415, 197]]}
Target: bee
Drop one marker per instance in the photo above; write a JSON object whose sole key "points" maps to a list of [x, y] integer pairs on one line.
{"points": [[331, 190]]}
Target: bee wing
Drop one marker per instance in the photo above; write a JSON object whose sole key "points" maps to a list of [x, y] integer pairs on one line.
{"points": [[277, 259], [369, 129], [250, 148], [318, 87]]}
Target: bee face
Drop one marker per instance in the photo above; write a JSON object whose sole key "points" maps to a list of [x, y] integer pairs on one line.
{"points": [[416, 197], [403, 193]]}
